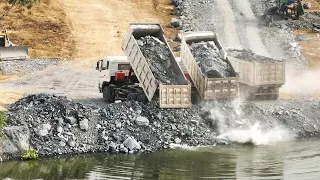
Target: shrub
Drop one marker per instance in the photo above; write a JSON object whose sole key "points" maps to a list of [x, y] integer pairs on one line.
{"points": [[29, 154], [2, 122]]}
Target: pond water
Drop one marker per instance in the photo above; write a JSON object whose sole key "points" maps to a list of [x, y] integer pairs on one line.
{"points": [[286, 160]]}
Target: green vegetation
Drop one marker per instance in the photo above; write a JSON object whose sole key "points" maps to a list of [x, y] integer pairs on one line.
{"points": [[29, 154], [2, 122], [18, 4]]}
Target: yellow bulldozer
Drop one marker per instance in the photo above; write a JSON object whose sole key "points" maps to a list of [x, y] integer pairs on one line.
{"points": [[9, 51]]}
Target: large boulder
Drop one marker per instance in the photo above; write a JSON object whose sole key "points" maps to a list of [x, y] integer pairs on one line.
{"points": [[131, 144], [20, 136], [8, 149]]}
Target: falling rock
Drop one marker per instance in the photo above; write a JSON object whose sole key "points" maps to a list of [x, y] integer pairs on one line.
{"points": [[142, 121], [84, 124], [132, 144]]}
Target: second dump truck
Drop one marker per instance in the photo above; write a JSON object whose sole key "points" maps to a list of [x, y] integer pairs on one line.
{"points": [[209, 88]]}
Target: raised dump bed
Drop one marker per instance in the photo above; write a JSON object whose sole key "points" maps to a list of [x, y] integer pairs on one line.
{"points": [[258, 75], [155, 66], [210, 79]]}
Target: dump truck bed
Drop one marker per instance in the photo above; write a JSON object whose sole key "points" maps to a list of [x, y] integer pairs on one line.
{"points": [[170, 96], [259, 73], [208, 88]]}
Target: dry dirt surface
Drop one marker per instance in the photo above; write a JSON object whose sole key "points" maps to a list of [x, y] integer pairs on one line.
{"points": [[99, 28], [44, 29]]}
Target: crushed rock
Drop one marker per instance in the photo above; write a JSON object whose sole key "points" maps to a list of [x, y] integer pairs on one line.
{"points": [[22, 67], [158, 56], [248, 55], [207, 55]]}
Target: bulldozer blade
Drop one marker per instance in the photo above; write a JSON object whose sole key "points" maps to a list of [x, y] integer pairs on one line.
{"points": [[13, 53]]}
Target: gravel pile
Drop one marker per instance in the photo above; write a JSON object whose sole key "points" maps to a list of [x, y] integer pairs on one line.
{"points": [[207, 55], [158, 56], [55, 125], [305, 21], [194, 14], [17, 67]]}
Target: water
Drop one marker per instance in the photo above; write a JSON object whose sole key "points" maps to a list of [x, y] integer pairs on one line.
{"points": [[286, 160]]}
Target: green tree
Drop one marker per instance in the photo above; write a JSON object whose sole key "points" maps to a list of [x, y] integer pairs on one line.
{"points": [[19, 4]]}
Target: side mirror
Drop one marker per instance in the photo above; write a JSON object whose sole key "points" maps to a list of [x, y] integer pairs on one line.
{"points": [[98, 64]]}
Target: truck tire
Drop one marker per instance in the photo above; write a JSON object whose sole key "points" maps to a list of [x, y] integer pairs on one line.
{"points": [[131, 97], [142, 98], [108, 94]]}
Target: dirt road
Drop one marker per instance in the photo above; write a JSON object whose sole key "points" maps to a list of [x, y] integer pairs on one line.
{"points": [[99, 28]]}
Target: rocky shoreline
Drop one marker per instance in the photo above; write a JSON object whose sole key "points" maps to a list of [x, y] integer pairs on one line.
{"points": [[55, 125]]}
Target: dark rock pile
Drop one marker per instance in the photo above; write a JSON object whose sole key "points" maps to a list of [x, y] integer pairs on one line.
{"points": [[207, 55], [56, 125], [158, 56]]}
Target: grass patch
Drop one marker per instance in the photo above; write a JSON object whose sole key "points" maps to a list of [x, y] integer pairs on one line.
{"points": [[2, 122], [30, 154]]}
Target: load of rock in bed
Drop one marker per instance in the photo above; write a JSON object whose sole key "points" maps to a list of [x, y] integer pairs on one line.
{"points": [[207, 55], [158, 56], [55, 125], [248, 55]]}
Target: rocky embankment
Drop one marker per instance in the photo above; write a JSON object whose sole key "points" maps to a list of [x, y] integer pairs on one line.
{"points": [[56, 125]]}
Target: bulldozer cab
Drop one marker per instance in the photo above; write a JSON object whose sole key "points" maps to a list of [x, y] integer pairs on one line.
{"points": [[8, 51], [2, 40]]}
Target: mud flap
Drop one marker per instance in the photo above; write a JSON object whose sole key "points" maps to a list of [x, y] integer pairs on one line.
{"points": [[14, 53]]}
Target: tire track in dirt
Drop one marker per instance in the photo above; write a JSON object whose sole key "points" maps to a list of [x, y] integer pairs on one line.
{"points": [[230, 34]]}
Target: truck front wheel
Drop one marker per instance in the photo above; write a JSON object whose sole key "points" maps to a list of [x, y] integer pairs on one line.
{"points": [[108, 94]]}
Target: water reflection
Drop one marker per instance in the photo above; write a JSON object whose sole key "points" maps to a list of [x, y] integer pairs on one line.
{"points": [[284, 161]]}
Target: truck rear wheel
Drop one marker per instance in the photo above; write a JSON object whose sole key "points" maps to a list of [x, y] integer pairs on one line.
{"points": [[142, 98], [108, 94], [131, 97]]}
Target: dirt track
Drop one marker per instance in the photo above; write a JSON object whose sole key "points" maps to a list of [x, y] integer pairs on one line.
{"points": [[99, 28]]}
